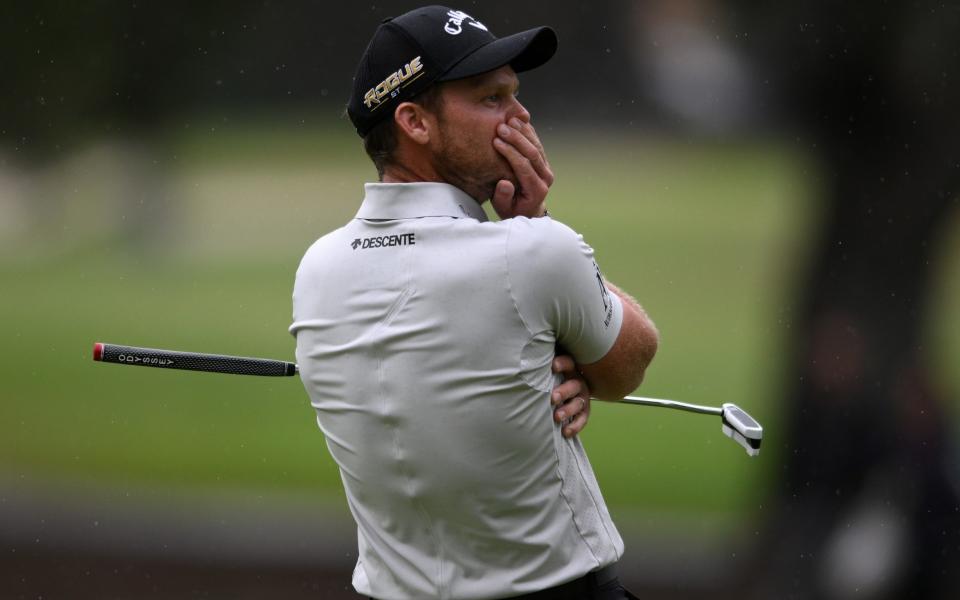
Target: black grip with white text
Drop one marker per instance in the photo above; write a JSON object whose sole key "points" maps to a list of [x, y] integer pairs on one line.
{"points": [[192, 361]]}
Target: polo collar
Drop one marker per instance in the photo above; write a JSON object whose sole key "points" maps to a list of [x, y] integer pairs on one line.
{"points": [[413, 200]]}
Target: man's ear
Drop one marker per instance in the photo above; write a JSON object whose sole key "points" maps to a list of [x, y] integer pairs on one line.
{"points": [[414, 122]]}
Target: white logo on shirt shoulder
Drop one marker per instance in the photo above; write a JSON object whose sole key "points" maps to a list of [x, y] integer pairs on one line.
{"points": [[604, 296], [455, 22]]}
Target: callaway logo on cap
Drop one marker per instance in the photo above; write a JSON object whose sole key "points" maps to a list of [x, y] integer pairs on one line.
{"points": [[409, 53]]}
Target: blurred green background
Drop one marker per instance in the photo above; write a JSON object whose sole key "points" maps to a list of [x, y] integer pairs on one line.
{"points": [[708, 235]]}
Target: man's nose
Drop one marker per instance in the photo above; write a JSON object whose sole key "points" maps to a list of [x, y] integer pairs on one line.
{"points": [[519, 111]]}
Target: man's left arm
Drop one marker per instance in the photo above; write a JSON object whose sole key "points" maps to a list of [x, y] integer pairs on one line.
{"points": [[519, 144]]}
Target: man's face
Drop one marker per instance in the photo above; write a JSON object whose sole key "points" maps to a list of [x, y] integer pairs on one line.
{"points": [[471, 109]]}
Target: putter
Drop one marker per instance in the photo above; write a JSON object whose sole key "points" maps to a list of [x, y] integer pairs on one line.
{"points": [[737, 424]]}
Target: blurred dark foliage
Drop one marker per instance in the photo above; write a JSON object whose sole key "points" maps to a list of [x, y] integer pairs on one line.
{"points": [[76, 71], [872, 89]]}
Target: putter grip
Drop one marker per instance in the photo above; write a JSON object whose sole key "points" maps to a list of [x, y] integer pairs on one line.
{"points": [[192, 361]]}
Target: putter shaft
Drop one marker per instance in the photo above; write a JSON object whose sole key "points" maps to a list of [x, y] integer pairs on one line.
{"points": [[696, 408]]}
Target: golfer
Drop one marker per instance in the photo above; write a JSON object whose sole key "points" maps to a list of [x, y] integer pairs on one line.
{"points": [[450, 359]]}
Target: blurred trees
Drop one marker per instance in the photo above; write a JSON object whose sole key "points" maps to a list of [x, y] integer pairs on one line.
{"points": [[867, 500], [872, 90], [107, 69], [113, 69], [126, 75]]}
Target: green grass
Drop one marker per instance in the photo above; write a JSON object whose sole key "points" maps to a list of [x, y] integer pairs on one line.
{"points": [[71, 415], [708, 237]]}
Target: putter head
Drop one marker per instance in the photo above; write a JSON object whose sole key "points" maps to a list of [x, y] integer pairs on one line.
{"points": [[742, 428]]}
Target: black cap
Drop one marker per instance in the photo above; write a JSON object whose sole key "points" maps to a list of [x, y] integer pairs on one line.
{"points": [[407, 54]]}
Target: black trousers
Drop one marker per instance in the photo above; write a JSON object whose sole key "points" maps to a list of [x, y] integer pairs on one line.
{"points": [[601, 584]]}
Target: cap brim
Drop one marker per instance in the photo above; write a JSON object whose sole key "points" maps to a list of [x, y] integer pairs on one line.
{"points": [[522, 51]]}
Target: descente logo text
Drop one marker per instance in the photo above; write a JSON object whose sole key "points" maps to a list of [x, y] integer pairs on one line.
{"points": [[403, 239]]}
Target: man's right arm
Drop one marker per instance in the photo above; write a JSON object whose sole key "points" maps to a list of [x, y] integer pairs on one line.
{"points": [[621, 369], [559, 287]]}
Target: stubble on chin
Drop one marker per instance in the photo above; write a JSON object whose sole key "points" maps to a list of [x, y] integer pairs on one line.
{"points": [[462, 174], [468, 170]]}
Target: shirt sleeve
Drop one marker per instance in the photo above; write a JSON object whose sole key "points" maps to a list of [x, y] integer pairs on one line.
{"points": [[558, 287]]}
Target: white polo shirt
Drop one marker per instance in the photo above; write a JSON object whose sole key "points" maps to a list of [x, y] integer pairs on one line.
{"points": [[425, 336]]}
